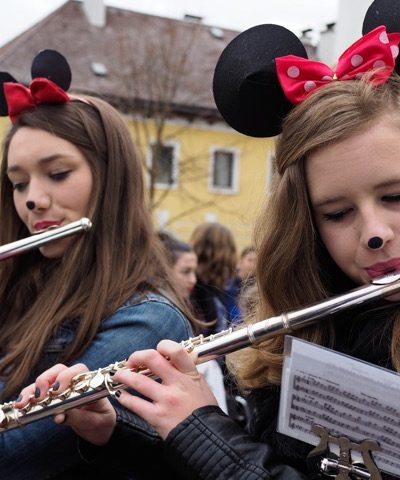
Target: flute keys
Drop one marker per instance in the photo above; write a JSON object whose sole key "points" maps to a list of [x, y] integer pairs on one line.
{"points": [[97, 381], [8, 415], [3, 419]]}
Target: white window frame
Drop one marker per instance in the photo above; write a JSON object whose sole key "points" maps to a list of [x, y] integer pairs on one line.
{"points": [[235, 176], [163, 216], [175, 163]]}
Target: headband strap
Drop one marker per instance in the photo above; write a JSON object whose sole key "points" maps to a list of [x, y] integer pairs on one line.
{"points": [[376, 50]]}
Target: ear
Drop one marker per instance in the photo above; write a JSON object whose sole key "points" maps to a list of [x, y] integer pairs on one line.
{"points": [[246, 88], [387, 13], [52, 65], [4, 78]]}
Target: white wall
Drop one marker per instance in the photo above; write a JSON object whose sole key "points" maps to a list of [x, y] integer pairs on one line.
{"points": [[348, 28], [326, 46]]}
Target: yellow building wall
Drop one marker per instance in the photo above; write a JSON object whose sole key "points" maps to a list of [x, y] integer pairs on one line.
{"points": [[192, 202], [4, 125]]}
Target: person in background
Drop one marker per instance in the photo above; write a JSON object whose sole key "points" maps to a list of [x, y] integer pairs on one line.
{"points": [[215, 248], [91, 297], [184, 264], [240, 297], [240, 282], [183, 261]]}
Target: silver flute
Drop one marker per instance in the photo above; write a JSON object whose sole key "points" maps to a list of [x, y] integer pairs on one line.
{"points": [[39, 239], [90, 386]]}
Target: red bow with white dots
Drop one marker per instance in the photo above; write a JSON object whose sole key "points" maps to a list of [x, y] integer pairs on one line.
{"points": [[376, 50]]}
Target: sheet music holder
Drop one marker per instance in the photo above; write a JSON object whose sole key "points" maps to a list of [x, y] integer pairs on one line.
{"points": [[347, 397]]}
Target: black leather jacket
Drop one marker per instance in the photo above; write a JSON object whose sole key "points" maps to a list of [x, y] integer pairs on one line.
{"points": [[208, 445]]}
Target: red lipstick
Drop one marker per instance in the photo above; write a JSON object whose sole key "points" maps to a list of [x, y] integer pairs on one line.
{"points": [[382, 268], [44, 224]]}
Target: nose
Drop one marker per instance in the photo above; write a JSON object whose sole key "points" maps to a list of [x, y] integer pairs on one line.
{"points": [[375, 243], [192, 279], [37, 197], [376, 231]]}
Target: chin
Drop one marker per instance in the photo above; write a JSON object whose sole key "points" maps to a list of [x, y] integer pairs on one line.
{"points": [[51, 253], [393, 298], [55, 249]]}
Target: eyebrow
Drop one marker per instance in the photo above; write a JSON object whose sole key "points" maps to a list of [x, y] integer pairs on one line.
{"points": [[331, 200], [42, 161]]}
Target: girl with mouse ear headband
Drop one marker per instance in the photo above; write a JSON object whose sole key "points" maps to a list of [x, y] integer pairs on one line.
{"points": [[90, 297]]}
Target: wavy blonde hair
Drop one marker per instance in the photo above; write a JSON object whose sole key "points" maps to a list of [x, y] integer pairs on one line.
{"points": [[293, 267]]}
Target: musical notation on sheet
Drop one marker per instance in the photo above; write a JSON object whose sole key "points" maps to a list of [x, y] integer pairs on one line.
{"points": [[347, 396]]}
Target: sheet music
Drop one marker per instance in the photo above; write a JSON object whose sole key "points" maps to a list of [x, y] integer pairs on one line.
{"points": [[349, 397]]}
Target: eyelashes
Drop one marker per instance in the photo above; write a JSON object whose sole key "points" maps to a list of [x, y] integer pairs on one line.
{"points": [[56, 177], [19, 187], [392, 198], [59, 176], [336, 216], [339, 215]]}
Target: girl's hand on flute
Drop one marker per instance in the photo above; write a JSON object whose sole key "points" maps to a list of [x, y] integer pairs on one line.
{"points": [[94, 422], [182, 390]]}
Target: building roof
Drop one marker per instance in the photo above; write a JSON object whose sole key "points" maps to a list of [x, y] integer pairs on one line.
{"points": [[145, 58]]}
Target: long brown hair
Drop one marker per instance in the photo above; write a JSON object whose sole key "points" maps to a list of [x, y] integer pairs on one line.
{"points": [[215, 248], [102, 268], [293, 267]]}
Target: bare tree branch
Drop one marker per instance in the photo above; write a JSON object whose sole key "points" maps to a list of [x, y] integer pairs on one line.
{"points": [[155, 76]]}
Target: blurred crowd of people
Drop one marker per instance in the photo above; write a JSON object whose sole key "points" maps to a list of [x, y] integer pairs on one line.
{"points": [[220, 289], [208, 274]]}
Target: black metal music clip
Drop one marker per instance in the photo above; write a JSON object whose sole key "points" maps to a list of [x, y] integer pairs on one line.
{"points": [[320, 459]]}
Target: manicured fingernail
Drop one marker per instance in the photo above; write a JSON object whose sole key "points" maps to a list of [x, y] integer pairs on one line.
{"points": [[19, 398], [56, 386], [37, 392], [118, 393]]}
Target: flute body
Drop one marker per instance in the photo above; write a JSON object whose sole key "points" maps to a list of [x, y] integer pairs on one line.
{"points": [[91, 386], [37, 240]]}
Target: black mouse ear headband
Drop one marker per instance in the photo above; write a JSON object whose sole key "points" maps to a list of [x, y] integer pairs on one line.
{"points": [[51, 78], [383, 12], [265, 71]]}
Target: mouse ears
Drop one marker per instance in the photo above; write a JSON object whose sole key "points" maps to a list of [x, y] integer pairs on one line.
{"points": [[4, 78], [383, 12], [52, 65], [264, 71], [246, 88], [51, 78]]}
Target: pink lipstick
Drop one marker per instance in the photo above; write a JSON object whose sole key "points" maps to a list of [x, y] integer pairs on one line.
{"points": [[382, 268]]}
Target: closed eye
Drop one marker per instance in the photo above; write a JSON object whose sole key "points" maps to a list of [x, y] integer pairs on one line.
{"points": [[391, 198], [19, 187], [336, 216], [60, 176]]}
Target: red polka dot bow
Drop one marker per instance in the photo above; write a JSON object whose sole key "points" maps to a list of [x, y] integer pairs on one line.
{"points": [[376, 50], [40, 91]]}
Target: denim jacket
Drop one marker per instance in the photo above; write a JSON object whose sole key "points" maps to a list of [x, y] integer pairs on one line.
{"points": [[43, 449]]}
